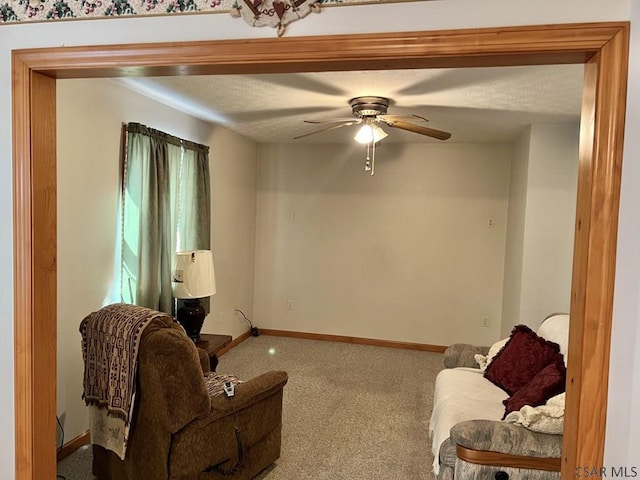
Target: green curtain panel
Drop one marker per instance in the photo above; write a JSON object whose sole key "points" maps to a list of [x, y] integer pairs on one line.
{"points": [[165, 208]]}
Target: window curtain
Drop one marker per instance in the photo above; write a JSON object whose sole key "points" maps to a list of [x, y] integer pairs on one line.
{"points": [[165, 209]]}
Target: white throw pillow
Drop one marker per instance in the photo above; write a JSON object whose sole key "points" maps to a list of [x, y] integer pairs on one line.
{"points": [[483, 361], [556, 329]]}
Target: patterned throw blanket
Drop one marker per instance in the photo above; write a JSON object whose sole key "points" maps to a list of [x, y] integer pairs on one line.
{"points": [[110, 341], [214, 382]]}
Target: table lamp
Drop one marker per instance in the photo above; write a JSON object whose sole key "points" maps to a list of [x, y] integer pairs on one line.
{"points": [[193, 278]]}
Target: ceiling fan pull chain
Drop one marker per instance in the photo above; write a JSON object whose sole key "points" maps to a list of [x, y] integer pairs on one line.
{"points": [[373, 158], [367, 164]]}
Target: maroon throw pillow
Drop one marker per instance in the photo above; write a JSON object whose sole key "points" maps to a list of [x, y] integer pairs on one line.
{"points": [[522, 357], [549, 382]]}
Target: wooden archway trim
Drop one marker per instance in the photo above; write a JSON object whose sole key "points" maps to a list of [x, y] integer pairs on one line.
{"points": [[603, 47], [498, 459], [573, 43]]}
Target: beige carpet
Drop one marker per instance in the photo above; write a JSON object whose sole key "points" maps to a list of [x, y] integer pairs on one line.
{"points": [[351, 412]]}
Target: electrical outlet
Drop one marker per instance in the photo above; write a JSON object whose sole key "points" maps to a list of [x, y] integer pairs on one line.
{"points": [[221, 318], [485, 321], [289, 304]]}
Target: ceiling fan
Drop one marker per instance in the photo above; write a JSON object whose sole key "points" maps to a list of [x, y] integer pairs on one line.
{"points": [[372, 111]]}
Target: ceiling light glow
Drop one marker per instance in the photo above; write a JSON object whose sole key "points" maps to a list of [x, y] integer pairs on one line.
{"points": [[370, 133]]}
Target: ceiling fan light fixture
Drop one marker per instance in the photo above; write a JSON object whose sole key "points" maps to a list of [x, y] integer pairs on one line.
{"points": [[370, 134], [364, 134], [369, 112]]}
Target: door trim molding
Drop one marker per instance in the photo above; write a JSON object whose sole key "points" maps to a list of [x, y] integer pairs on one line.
{"points": [[602, 47]]}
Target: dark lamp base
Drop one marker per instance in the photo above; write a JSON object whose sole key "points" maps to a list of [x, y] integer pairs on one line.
{"points": [[191, 316]]}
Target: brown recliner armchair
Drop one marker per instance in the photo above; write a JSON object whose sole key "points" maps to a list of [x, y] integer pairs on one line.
{"points": [[179, 432]]}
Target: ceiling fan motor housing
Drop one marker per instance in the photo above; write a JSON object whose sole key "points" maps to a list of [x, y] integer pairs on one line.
{"points": [[369, 106]]}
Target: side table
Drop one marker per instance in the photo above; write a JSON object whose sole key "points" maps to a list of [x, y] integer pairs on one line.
{"points": [[212, 344]]}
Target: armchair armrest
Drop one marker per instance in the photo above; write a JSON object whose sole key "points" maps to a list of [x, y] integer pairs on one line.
{"points": [[247, 393], [462, 355], [255, 411], [204, 360], [506, 438]]}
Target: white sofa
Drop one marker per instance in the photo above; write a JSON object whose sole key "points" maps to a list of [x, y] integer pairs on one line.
{"points": [[468, 408]]}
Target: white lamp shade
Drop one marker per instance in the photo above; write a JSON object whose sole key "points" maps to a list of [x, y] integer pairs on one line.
{"points": [[193, 276]]}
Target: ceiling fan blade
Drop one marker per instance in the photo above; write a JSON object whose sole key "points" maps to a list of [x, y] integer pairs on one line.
{"points": [[332, 127], [429, 132], [394, 118], [332, 120]]}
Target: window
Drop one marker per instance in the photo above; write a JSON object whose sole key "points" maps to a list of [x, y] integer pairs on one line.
{"points": [[165, 209]]}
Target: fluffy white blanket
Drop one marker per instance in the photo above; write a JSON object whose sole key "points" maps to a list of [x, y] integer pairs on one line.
{"points": [[482, 400], [547, 418]]}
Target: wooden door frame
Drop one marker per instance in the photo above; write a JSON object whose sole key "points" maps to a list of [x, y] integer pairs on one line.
{"points": [[602, 47]]}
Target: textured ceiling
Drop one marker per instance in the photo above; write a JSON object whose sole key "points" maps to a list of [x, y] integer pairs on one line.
{"points": [[474, 104]]}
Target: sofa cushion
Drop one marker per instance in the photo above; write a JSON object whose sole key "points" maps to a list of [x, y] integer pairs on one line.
{"points": [[549, 381], [522, 357], [461, 394]]}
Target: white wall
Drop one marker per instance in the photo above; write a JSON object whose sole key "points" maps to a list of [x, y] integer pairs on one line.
{"points": [[550, 221], [544, 242], [233, 230], [90, 114], [623, 414], [512, 287], [371, 18], [404, 255]]}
